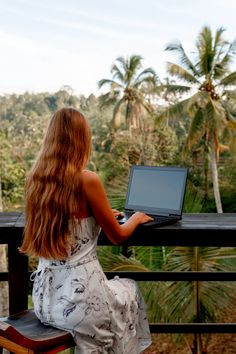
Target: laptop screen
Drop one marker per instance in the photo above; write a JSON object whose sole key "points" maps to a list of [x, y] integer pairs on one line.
{"points": [[156, 189]]}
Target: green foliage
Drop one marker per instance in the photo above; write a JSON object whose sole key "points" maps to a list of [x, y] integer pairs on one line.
{"points": [[12, 172], [180, 297], [149, 148], [228, 201], [117, 262], [193, 201], [23, 121]]}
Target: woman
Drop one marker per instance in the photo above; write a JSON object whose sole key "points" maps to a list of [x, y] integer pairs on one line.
{"points": [[66, 206]]}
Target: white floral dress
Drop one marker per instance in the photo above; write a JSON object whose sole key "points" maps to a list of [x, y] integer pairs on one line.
{"points": [[104, 316]]}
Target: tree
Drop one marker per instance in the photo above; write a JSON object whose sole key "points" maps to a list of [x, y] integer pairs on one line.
{"points": [[208, 82], [128, 89]]}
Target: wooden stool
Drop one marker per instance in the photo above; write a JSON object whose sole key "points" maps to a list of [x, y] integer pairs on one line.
{"points": [[24, 333]]}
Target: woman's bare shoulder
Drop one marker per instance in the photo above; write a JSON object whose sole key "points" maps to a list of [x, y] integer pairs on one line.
{"points": [[90, 178]]}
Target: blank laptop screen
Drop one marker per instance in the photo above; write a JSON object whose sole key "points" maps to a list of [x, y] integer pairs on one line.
{"points": [[156, 188]]}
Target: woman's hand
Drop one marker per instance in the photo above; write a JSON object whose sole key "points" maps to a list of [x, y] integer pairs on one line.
{"points": [[117, 214], [141, 218]]}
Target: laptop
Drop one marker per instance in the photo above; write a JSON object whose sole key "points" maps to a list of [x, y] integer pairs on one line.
{"points": [[157, 191]]}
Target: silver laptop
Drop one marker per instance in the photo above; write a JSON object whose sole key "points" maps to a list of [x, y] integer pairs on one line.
{"points": [[156, 191]]}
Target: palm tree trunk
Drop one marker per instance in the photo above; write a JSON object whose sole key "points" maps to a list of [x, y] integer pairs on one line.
{"points": [[206, 170], [128, 118], [215, 179]]}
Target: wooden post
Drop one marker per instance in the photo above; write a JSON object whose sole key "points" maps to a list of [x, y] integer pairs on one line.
{"points": [[18, 277]]}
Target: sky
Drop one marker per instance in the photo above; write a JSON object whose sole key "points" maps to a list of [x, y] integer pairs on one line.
{"points": [[46, 44]]}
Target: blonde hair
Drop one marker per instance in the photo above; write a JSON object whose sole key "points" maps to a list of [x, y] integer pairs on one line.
{"points": [[53, 185]]}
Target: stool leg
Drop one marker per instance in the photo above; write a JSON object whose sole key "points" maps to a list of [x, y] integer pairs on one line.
{"points": [[4, 351]]}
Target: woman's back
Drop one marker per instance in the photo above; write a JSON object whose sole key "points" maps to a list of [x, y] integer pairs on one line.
{"points": [[85, 234]]}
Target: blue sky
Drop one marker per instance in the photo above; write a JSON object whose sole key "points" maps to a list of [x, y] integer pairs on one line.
{"points": [[46, 44]]}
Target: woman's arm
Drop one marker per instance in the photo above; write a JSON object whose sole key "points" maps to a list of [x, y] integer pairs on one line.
{"points": [[101, 209]]}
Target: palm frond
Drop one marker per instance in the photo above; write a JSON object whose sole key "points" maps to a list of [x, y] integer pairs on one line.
{"points": [[215, 113], [117, 196], [193, 201], [188, 106], [134, 64], [118, 201], [178, 302], [180, 89], [118, 262], [147, 75], [123, 62], [108, 99], [148, 107], [229, 80], [182, 259], [181, 73], [171, 112], [219, 66], [230, 94], [153, 258], [229, 55], [174, 111], [117, 73], [152, 291], [184, 59], [232, 48], [196, 130], [113, 84], [219, 40], [206, 51], [231, 119], [180, 298], [216, 299], [218, 70]]}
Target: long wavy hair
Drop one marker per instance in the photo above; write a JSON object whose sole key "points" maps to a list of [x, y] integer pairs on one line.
{"points": [[53, 186]]}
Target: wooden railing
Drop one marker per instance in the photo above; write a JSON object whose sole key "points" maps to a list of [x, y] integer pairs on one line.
{"points": [[194, 230]]}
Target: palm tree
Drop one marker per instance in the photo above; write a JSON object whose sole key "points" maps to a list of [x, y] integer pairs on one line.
{"points": [[199, 301], [208, 82], [179, 302], [128, 88]]}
